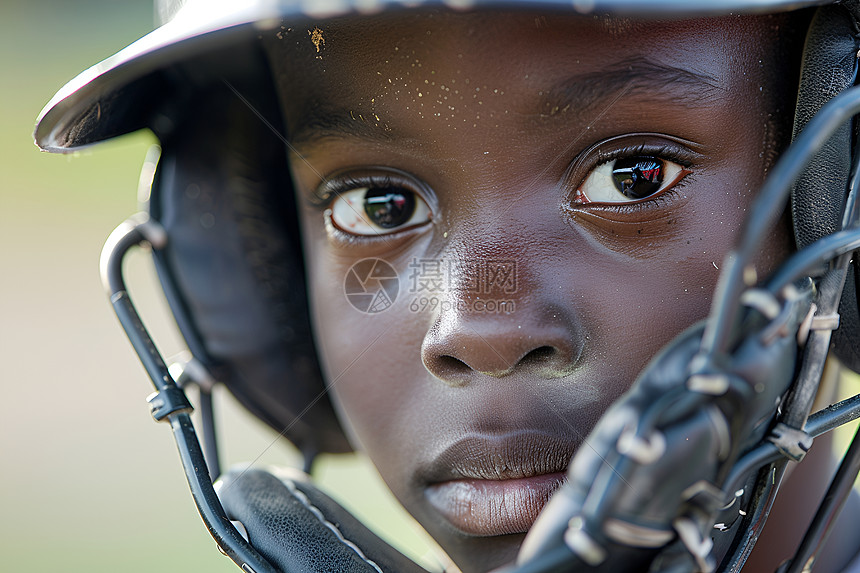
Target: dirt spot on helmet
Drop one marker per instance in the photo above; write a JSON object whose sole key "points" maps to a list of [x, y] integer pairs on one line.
{"points": [[317, 39]]}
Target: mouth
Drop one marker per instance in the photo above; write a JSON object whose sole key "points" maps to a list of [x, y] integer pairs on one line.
{"points": [[496, 485]]}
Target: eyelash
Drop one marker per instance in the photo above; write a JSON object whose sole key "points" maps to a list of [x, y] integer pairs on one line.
{"points": [[343, 181], [664, 151], [337, 185]]}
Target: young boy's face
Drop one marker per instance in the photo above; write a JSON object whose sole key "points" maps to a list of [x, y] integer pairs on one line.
{"points": [[555, 195]]}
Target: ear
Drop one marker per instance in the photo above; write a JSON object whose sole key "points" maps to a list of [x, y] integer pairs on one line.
{"points": [[296, 527]]}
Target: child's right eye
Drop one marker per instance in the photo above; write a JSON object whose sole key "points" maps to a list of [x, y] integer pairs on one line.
{"points": [[378, 210]]}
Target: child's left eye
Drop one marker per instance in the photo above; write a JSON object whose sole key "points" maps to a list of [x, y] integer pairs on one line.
{"points": [[378, 210], [629, 179]]}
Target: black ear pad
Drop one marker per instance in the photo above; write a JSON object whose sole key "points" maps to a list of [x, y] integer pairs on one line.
{"points": [[829, 67], [224, 195]]}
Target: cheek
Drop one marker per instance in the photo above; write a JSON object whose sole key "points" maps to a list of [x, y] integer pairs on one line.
{"points": [[367, 356], [655, 283]]}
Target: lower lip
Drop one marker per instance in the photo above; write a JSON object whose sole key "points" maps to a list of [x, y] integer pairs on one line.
{"points": [[493, 507]]}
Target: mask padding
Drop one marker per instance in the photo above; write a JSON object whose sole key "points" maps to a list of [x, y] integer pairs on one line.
{"points": [[829, 67], [223, 193], [297, 527]]}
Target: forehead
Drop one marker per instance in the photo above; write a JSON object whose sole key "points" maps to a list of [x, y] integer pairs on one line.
{"points": [[446, 65], [404, 38]]}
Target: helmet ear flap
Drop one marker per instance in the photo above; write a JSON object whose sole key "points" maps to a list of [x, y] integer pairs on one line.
{"points": [[233, 267], [829, 66]]}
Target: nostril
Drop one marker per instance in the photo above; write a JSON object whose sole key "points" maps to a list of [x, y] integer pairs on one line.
{"points": [[549, 361], [539, 356], [450, 366], [452, 370]]}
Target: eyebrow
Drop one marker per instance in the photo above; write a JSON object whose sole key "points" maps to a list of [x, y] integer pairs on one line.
{"points": [[322, 121], [639, 77]]}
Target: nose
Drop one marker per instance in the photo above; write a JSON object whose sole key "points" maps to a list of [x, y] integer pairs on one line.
{"points": [[542, 340]]}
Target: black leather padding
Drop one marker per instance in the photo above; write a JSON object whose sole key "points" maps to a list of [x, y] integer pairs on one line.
{"points": [[829, 67], [299, 529], [233, 258]]}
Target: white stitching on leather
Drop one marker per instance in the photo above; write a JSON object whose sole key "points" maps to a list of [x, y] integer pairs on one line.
{"points": [[319, 515]]}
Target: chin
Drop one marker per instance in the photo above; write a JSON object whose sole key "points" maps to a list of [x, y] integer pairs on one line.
{"points": [[481, 554]]}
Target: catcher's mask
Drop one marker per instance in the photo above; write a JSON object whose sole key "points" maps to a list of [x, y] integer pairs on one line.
{"points": [[227, 248]]}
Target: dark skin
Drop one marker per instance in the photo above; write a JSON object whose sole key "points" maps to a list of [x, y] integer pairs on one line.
{"points": [[493, 125]]}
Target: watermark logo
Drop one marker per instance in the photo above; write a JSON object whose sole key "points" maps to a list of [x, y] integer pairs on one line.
{"points": [[371, 286]]}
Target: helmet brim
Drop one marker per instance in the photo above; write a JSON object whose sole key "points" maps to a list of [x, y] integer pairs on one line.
{"points": [[114, 97]]}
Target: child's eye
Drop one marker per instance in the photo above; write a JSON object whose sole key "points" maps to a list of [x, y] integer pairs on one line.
{"points": [[629, 179], [378, 210]]}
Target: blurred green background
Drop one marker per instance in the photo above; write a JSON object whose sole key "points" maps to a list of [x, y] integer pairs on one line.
{"points": [[89, 481]]}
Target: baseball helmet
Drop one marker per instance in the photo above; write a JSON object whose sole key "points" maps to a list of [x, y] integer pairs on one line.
{"points": [[229, 257]]}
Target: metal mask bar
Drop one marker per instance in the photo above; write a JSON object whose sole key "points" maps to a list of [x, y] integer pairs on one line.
{"points": [[763, 214], [169, 402]]}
